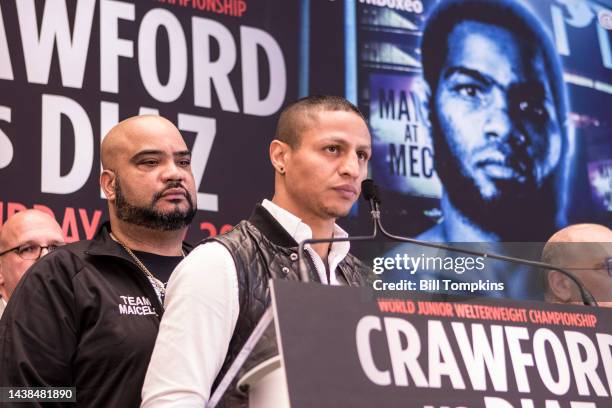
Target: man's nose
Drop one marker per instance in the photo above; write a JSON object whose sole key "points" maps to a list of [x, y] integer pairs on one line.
{"points": [[173, 172], [499, 123], [350, 165]]}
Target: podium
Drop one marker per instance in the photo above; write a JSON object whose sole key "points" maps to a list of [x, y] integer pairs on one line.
{"points": [[266, 384], [356, 347]]}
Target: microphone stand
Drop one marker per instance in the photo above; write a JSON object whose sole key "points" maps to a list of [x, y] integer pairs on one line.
{"points": [[370, 194]]}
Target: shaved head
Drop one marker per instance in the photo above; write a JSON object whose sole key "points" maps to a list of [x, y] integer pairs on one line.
{"points": [[129, 133], [585, 250], [28, 222], [558, 254], [27, 230], [302, 115], [582, 233]]}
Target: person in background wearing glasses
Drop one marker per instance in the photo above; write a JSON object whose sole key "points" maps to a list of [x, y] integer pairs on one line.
{"points": [[586, 251], [24, 238]]}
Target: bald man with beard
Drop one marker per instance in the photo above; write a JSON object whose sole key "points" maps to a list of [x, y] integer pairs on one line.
{"points": [[24, 238], [87, 315], [586, 251]]}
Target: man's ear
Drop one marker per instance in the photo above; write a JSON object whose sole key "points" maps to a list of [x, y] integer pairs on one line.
{"points": [[426, 100], [561, 286], [279, 155], [108, 184]]}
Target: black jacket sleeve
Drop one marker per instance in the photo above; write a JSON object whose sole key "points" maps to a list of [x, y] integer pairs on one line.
{"points": [[38, 330]]}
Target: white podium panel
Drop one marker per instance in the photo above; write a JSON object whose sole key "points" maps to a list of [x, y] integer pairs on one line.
{"points": [[267, 385]]}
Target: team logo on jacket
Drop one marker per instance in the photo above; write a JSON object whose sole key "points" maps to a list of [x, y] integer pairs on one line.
{"points": [[136, 305]]}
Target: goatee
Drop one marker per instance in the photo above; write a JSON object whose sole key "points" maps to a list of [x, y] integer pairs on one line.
{"points": [[151, 218]]}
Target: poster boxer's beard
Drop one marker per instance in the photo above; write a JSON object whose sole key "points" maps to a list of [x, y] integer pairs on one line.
{"points": [[516, 212], [151, 218]]}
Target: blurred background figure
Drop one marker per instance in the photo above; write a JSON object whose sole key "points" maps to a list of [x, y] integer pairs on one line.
{"points": [[586, 251], [24, 238]]}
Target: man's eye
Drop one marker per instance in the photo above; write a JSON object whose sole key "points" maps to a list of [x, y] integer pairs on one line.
{"points": [[332, 149], [27, 249], [149, 162], [362, 156], [470, 91], [184, 163]]}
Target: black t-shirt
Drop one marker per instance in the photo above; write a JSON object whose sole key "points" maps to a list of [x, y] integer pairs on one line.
{"points": [[159, 265]]}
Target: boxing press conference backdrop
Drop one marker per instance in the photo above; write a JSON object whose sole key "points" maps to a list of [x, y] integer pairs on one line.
{"points": [[222, 70], [70, 70]]}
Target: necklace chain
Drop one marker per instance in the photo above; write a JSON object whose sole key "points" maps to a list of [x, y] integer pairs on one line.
{"points": [[158, 285]]}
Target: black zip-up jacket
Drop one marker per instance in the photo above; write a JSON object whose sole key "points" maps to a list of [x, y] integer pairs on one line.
{"points": [[83, 316]]}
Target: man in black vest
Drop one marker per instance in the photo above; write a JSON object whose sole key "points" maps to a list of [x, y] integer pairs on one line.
{"points": [[216, 297]]}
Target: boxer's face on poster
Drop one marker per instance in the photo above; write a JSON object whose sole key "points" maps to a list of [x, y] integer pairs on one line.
{"points": [[327, 167], [495, 111]]}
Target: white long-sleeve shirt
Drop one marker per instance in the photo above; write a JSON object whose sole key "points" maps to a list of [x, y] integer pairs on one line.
{"points": [[2, 306], [202, 308]]}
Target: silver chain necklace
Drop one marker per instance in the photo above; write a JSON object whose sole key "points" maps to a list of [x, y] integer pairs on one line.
{"points": [[158, 285]]}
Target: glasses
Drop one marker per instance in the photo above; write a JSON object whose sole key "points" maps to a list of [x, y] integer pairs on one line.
{"points": [[607, 266], [31, 252]]}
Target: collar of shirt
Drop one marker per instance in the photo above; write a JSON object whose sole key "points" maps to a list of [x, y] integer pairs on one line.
{"points": [[2, 301], [301, 231]]}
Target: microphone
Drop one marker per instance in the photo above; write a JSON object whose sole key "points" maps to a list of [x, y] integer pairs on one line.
{"points": [[303, 270], [370, 194], [369, 191]]}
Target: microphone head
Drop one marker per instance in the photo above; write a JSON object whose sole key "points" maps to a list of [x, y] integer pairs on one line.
{"points": [[369, 190]]}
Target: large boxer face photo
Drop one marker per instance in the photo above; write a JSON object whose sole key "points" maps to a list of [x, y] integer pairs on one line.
{"points": [[496, 132]]}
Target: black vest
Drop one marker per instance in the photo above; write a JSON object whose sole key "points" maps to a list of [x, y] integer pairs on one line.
{"points": [[262, 250]]}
